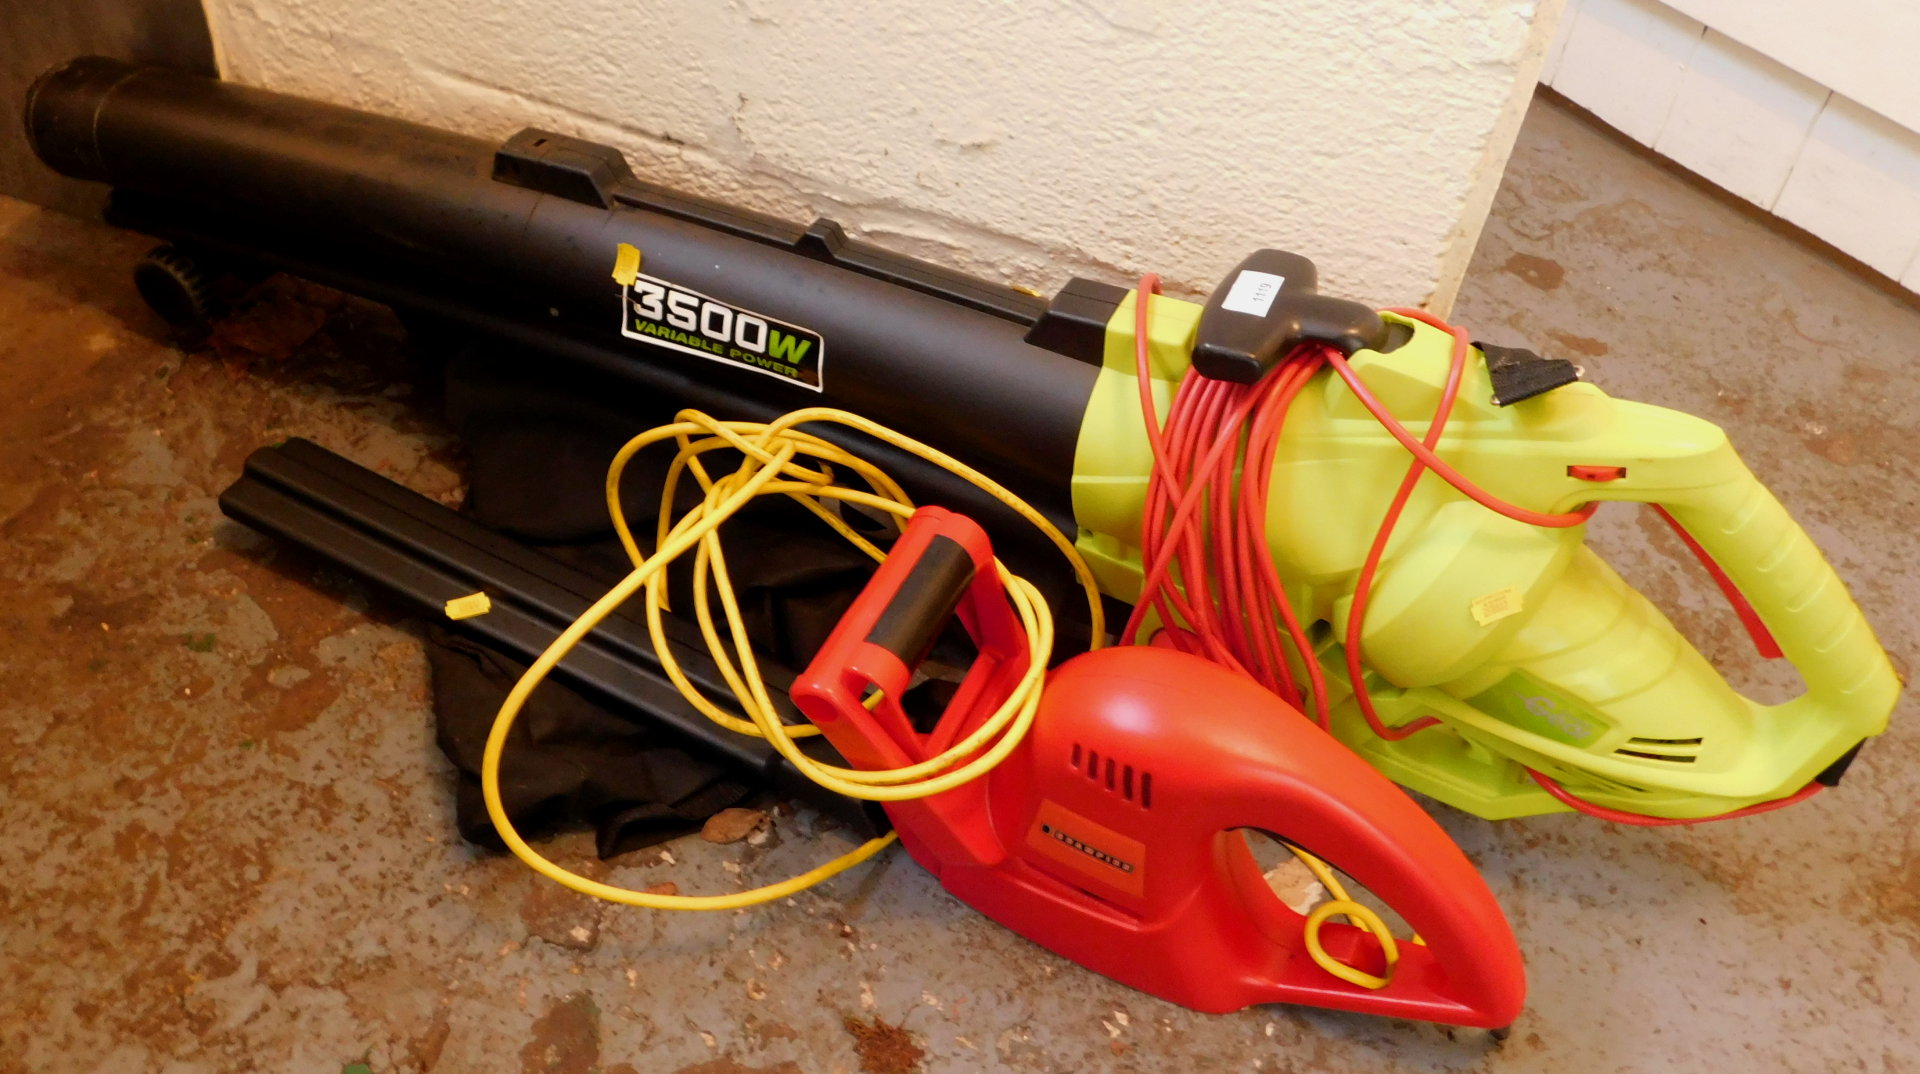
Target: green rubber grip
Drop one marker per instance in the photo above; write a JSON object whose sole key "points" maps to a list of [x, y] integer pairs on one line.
{"points": [[1796, 593]]}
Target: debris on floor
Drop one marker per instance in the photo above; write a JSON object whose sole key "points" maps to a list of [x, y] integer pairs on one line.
{"points": [[734, 825], [1295, 885], [884, 1048], [272, 322], [566, 1040], [562, 916]]}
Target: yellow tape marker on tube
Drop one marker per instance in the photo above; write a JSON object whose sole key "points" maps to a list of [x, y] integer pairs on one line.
{"points": [[626, 264], [469, 606]]}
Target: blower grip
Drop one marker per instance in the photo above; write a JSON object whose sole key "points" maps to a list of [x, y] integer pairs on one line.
{"points": [[1797, 595], [1688, 468]]}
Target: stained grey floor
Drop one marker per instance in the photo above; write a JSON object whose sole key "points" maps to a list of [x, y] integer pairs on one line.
{"points": [[224, 828]]}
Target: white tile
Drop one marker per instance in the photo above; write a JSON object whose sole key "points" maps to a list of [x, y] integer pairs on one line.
{"points": [[1739, 119], [1561, 31], [1911, 281], [1857, 185], [1861, 49], [1624, 60]]}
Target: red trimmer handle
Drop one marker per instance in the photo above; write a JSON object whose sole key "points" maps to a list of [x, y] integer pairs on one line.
{"points": [[1466, 971], [942, 565]]}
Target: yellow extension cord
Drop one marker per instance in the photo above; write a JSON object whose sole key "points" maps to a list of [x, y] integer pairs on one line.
{"points": [[769, 466]]}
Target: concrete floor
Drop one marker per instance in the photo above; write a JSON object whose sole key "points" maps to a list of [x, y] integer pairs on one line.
{"points": [[225, 832]]}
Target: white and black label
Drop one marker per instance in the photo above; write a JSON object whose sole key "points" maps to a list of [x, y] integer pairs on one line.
{"points": [[1253, 292], [668, 315]]}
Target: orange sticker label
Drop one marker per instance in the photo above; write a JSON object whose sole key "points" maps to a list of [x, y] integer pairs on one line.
{"points": [[1091, 850]]}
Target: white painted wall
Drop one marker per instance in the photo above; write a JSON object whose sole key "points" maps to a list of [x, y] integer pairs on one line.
{"points": [[1024, 141], [1809, 109]]}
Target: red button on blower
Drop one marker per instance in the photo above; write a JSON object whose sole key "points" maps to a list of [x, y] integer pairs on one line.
{"points": [[1111, 834]]}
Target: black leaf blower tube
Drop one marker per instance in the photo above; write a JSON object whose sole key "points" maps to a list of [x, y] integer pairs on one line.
{"points": [[549, 245]]}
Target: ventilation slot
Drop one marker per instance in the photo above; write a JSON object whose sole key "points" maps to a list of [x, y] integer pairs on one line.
{"points": [[1674, 758], [1671, 750], [1577, 779], [1117, 777]]}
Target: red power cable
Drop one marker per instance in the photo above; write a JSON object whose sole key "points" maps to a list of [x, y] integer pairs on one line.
{"points": [[1762, 637], [1195, 465], [1621, 816], [1205, 520]]}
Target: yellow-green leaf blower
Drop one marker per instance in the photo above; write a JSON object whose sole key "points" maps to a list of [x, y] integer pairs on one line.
{"points": [[1546, 681]]}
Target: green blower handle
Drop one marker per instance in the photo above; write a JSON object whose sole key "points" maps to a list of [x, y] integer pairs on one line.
{"points": [[1796, 593], [1710, 493]]}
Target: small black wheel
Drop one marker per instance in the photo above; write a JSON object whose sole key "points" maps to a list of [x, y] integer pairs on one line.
{"points": [[177, 286], [1500, 1035]]}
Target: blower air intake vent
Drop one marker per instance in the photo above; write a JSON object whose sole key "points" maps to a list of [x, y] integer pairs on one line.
{"points": [[1672, 750], [1119, 778]]}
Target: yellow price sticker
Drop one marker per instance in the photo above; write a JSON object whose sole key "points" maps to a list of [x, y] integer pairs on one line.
{"points": [[1492, 607]]}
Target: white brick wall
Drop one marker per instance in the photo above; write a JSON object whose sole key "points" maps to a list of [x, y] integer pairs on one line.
{"points": [[1752, 124], [1624, 60], [1861, 49]]}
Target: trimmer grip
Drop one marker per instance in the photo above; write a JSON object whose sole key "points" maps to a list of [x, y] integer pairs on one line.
{"points": [[940, 568], [1467, 969], [921, 605]]}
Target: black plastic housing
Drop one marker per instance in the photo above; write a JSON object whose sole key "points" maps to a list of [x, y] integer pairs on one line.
{"points": [[425, 554], [1267, 306], [516, 241]]}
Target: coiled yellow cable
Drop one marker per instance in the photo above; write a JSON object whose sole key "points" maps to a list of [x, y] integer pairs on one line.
{"points": [[769, 465], [1341, 904]]}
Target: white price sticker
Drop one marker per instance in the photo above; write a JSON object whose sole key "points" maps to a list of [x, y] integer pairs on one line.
{"points": [[1253, 292]]}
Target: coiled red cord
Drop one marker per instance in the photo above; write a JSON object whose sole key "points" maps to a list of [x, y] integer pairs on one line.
{"points": [[1205, 526], [1233, 596]]}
